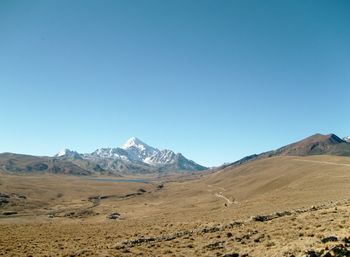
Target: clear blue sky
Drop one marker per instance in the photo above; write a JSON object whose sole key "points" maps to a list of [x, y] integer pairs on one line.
{"points": [[215, 80]]}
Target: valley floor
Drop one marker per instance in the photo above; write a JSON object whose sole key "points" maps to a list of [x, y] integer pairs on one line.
{"points": [[282, 206]]}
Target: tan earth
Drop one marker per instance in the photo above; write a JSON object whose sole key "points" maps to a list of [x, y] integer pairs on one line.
{"points": [[281, 206]]}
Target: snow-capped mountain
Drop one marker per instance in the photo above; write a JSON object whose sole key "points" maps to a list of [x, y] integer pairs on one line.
{"points": [[347, 139], [136, 155], [138, 150]]}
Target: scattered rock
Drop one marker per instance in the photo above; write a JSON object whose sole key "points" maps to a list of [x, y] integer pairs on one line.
{"points": [[238, 238], [141, 240], [141, 191], [4, 195], [215, 246], [346, 240], [258, 238], [329, 239], [69, 214], [131, 194], [80, 214], [113, 216], [210, 230], [231, 255], [311, 253], [338, 251], [262, 218], [94, 198], [59, 195], [3, 200], [7, 213], [314, 208], [284, 213]]}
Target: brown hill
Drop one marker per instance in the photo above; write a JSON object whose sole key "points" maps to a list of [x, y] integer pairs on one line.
{"points": [[317, 144], [19, 163]]}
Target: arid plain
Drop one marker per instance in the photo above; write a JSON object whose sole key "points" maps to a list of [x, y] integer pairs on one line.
{"points": [[280, 206]]}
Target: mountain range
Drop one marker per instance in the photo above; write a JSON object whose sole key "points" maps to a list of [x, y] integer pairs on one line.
{"points": [[136, 157]]}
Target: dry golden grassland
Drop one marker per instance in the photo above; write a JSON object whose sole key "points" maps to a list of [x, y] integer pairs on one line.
{"points": [[281, 206]]}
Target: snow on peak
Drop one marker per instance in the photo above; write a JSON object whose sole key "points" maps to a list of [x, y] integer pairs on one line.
{"points": [[133, 152], [138, 150], [133, 141], [347, 139]]}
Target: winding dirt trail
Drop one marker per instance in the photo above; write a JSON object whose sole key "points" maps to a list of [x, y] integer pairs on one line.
{"points": [[220, 195]]}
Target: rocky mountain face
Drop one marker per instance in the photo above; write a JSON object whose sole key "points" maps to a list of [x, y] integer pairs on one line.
{"points": [[317, 144]]}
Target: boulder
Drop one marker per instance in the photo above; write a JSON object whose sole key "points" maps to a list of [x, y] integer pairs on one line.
{"points": [[3, 201], [113, 216], [7, 213], [329, 239]]}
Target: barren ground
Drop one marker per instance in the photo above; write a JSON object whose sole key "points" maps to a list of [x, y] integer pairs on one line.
{"points": [[282, 206]]}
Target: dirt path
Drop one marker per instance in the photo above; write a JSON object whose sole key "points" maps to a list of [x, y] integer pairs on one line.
{"points": [[220, 195]]}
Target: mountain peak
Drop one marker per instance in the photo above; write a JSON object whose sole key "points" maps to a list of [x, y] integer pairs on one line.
{"points": [[133, 141], [318, 138], [68, 153], [138, 150], [317, 144], [63, 152], [335, 139]]}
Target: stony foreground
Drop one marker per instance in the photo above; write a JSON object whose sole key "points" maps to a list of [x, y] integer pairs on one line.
{"points": [[316, 231]]}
